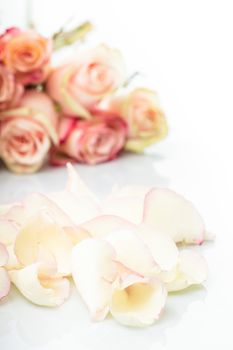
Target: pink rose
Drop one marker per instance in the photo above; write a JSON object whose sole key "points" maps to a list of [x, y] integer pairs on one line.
{"points": [[143, 114], [90, 141], [10, 90], [26, 133], [93, 74], [27, 54]]}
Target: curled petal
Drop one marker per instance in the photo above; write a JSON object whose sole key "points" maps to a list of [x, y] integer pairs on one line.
{"points": [[43, 240], [38, 284], [161, 246], [138, 301], [170, 213], [132, 252], [191, 269], [102, 225], [94, 270], [4, 283]]}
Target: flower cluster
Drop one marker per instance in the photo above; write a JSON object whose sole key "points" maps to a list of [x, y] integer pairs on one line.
{"points": [[121, 252], [78, 111]]}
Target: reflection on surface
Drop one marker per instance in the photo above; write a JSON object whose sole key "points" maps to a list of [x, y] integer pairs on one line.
{"points": [[70, 327]]}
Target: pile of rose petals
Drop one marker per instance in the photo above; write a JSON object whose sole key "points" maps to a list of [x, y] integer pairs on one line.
{"points": [[121, 252]]}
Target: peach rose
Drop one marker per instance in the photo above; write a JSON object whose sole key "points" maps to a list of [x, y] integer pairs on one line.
{"points": [[145, 118], [26, 133], [10, 90], [90, 141], [27, 54], [93, 74]]}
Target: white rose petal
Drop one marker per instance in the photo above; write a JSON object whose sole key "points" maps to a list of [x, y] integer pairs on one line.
{"points": [[162, 247], [138, 301], [93, 271], [168, 212], [79, 208], [39, 284], [132, 252], [4, 283], [102, 225], [191, 269], [43, 240]]}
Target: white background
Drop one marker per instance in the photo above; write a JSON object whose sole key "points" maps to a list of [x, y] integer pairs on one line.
{"points": [[183, 49]]}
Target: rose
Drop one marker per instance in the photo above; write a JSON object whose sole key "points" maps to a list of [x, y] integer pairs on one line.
{"points": [[142, 111], [6, 36], [90, 141], [93, 74], [27, 54], [26, 132], [10, 90]]}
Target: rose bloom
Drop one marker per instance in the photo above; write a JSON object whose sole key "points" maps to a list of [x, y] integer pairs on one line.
{"points": [[10, 90], [26, 133], [90, 141], [27, 54], [146, 120], [80, 84]]}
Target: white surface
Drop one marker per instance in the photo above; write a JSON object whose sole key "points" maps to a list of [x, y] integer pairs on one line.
{"points": [[185, 50]]}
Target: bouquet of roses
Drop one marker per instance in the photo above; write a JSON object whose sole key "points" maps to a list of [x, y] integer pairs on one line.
{"points": [[78, 111]]}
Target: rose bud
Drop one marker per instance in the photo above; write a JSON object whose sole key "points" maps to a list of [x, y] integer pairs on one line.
{"points": [[27, 54], [90, 141], [80, 84], [10, 90], [27, 132], [145, 118]]}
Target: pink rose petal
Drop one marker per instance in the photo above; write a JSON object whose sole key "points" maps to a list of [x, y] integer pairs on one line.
{"points": [[168, 212], [4, 283]]}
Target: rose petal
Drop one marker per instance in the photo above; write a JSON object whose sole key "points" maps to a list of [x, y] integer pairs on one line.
{"points": [[94, 270], [20, 213], [161, 246], [127, 207], [102, 225], [132, 252], [168, 212], [191, 269], [76, 185], [38, 287], [3, 255], [138, 301], [135, 191], [42, 239], [12, 262], [4, 208], [34, 202], [76, 234], [16, 214], [4, 283], [8, 231], [79, 208]]}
